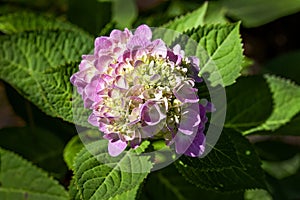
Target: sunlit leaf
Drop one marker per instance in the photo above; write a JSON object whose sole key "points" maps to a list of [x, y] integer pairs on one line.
{"points": [[100, 176], [19, 179], [286, 99], [28, 21], [220, 52], [41, 71]]}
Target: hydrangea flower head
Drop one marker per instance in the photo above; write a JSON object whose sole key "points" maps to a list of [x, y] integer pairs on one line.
{"points": [[139, 89]]}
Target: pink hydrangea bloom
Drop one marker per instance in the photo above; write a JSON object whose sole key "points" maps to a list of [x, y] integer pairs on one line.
{"points": [[138, 89]]}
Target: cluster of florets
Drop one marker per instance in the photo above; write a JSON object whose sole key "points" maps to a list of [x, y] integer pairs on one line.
{"points": [[140, 89]]}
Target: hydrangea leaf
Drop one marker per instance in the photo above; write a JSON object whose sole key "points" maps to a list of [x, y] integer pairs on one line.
{"points": [[28, 21], [232, 165], [255, 13], [77, 143], [45, 148], [21, 180], [100, 176], [168, 184], [74, 192], [286, 100], [128, 195], [220, 52], [282, 169], [243, 112], [43, 67], [290, 128], [188, 21], [257, 194], [290, 61], [215, 13], [72, 148]]}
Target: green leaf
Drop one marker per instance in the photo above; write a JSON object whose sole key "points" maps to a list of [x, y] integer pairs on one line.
{"points": [[124, 12], [257, 194], [284, 168], [287, 188], [77, 143], [169, 184], [286, 98], [72, 148], [256, 12], [215, 13], [290, 128], [220, 52], [19, 179], [188, 21], [285, 65], [41, 71], [274, 148], [231, 165], [128, 195], [100, 176], [38, 145], [74, 192], [27, 21], [241, 109], [91, 15]]}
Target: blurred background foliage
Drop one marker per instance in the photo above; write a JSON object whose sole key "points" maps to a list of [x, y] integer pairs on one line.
{"points": [[271, 39]]}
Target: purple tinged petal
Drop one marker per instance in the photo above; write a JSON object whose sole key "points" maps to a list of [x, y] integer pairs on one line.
{"points": [[190, 145], [145, 31], [177, 50], [102, 63], [152, 113], [174, 58], [103, 43], [116, 148], [158, 47], [190, 119], [93, 120], [121, 83], [194, 69], [137, 42], [197, 147], [185, 93], [119, 36]]}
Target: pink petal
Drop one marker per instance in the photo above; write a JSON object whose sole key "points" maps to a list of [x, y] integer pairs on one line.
{"points": [[144, 31], [116, 148]]}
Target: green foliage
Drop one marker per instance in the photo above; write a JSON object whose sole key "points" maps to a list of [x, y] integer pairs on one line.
{"points": [[286, 98], [232, 165], [208, 13], [168, 182], [257, 194], [39, 53], [45, 148], [282, 169], [188, 21], [241, 108], [100, 176], [286, 65], [28, 21], [91, 15], [72, 148], [21, 180], [41, 71], [256, 12], [219, 50]]}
